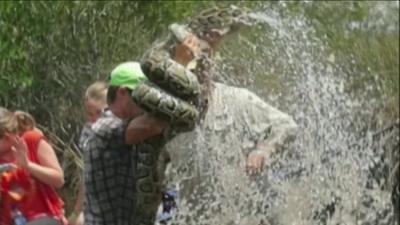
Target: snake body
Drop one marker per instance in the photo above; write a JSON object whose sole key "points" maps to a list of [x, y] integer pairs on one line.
{"points": [[178, 87], [172, 94]]}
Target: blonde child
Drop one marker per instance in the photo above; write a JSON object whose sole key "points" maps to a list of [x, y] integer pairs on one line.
{"points": [[95, 101]]}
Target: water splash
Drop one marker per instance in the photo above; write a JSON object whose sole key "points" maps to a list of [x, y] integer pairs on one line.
{"points": [[324, 175]]}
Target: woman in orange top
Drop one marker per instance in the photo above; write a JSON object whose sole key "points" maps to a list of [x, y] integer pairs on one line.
{"points": [[27, 188]]}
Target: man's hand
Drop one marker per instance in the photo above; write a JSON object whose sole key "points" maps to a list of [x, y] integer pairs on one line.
{"points": [[255, 162], [187, 50]]}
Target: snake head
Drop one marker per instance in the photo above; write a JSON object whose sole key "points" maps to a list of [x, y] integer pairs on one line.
{"points": [[222, 21]]}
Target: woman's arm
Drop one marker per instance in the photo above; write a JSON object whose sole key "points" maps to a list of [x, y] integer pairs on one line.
{"points": [[49, 172]]}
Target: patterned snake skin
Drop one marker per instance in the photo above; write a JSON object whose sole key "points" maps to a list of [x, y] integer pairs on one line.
{"points": [[176, 81], [172, 94]]}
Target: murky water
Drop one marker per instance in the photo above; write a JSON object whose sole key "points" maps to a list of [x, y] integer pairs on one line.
{"points": [[324, 176]]}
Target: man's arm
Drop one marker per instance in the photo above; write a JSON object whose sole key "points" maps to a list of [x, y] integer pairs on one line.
{"points": [[276, 128], [282, 129], [142, 128]]}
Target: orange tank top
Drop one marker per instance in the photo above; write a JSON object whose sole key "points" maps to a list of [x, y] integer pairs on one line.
{"points": [[20, 189]]}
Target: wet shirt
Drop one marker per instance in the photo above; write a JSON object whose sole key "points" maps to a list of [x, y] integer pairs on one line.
{"points": [[212, 158], [109, 174]]}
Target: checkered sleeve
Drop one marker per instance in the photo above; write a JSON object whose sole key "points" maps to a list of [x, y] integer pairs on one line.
{"points": [[85, 133], [104, 161]]}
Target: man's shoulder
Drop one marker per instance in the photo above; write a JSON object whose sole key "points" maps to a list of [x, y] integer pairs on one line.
{"points": [[240, 94], [107, 124]]}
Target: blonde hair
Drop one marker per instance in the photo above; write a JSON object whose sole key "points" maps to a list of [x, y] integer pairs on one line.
{"points": [[97, 92], [14, 122], [8, 122], [25, 121]]}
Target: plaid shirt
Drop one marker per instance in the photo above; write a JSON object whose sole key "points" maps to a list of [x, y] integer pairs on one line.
{"points": [[85, 133], [109, 174]]}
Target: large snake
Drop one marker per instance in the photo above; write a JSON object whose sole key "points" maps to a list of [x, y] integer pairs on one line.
{"points": [[173, 94], [174, 89]]}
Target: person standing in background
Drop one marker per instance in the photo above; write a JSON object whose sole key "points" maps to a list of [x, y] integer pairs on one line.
{"points": [[95, 102]]}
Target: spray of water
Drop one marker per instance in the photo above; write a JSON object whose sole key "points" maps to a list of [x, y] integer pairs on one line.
{"points": [[323, 177]]}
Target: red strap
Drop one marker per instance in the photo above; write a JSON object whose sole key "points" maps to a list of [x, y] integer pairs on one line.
{"points": [[32, 139]]}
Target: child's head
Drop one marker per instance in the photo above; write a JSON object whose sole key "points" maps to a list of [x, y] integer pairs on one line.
{"points": [[95, 100]]}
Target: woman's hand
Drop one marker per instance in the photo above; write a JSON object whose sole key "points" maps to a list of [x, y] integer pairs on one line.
{"points": [[20, 150]]}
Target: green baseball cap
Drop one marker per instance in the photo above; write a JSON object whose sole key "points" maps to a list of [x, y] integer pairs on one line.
{"points": [[128, 75]]}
